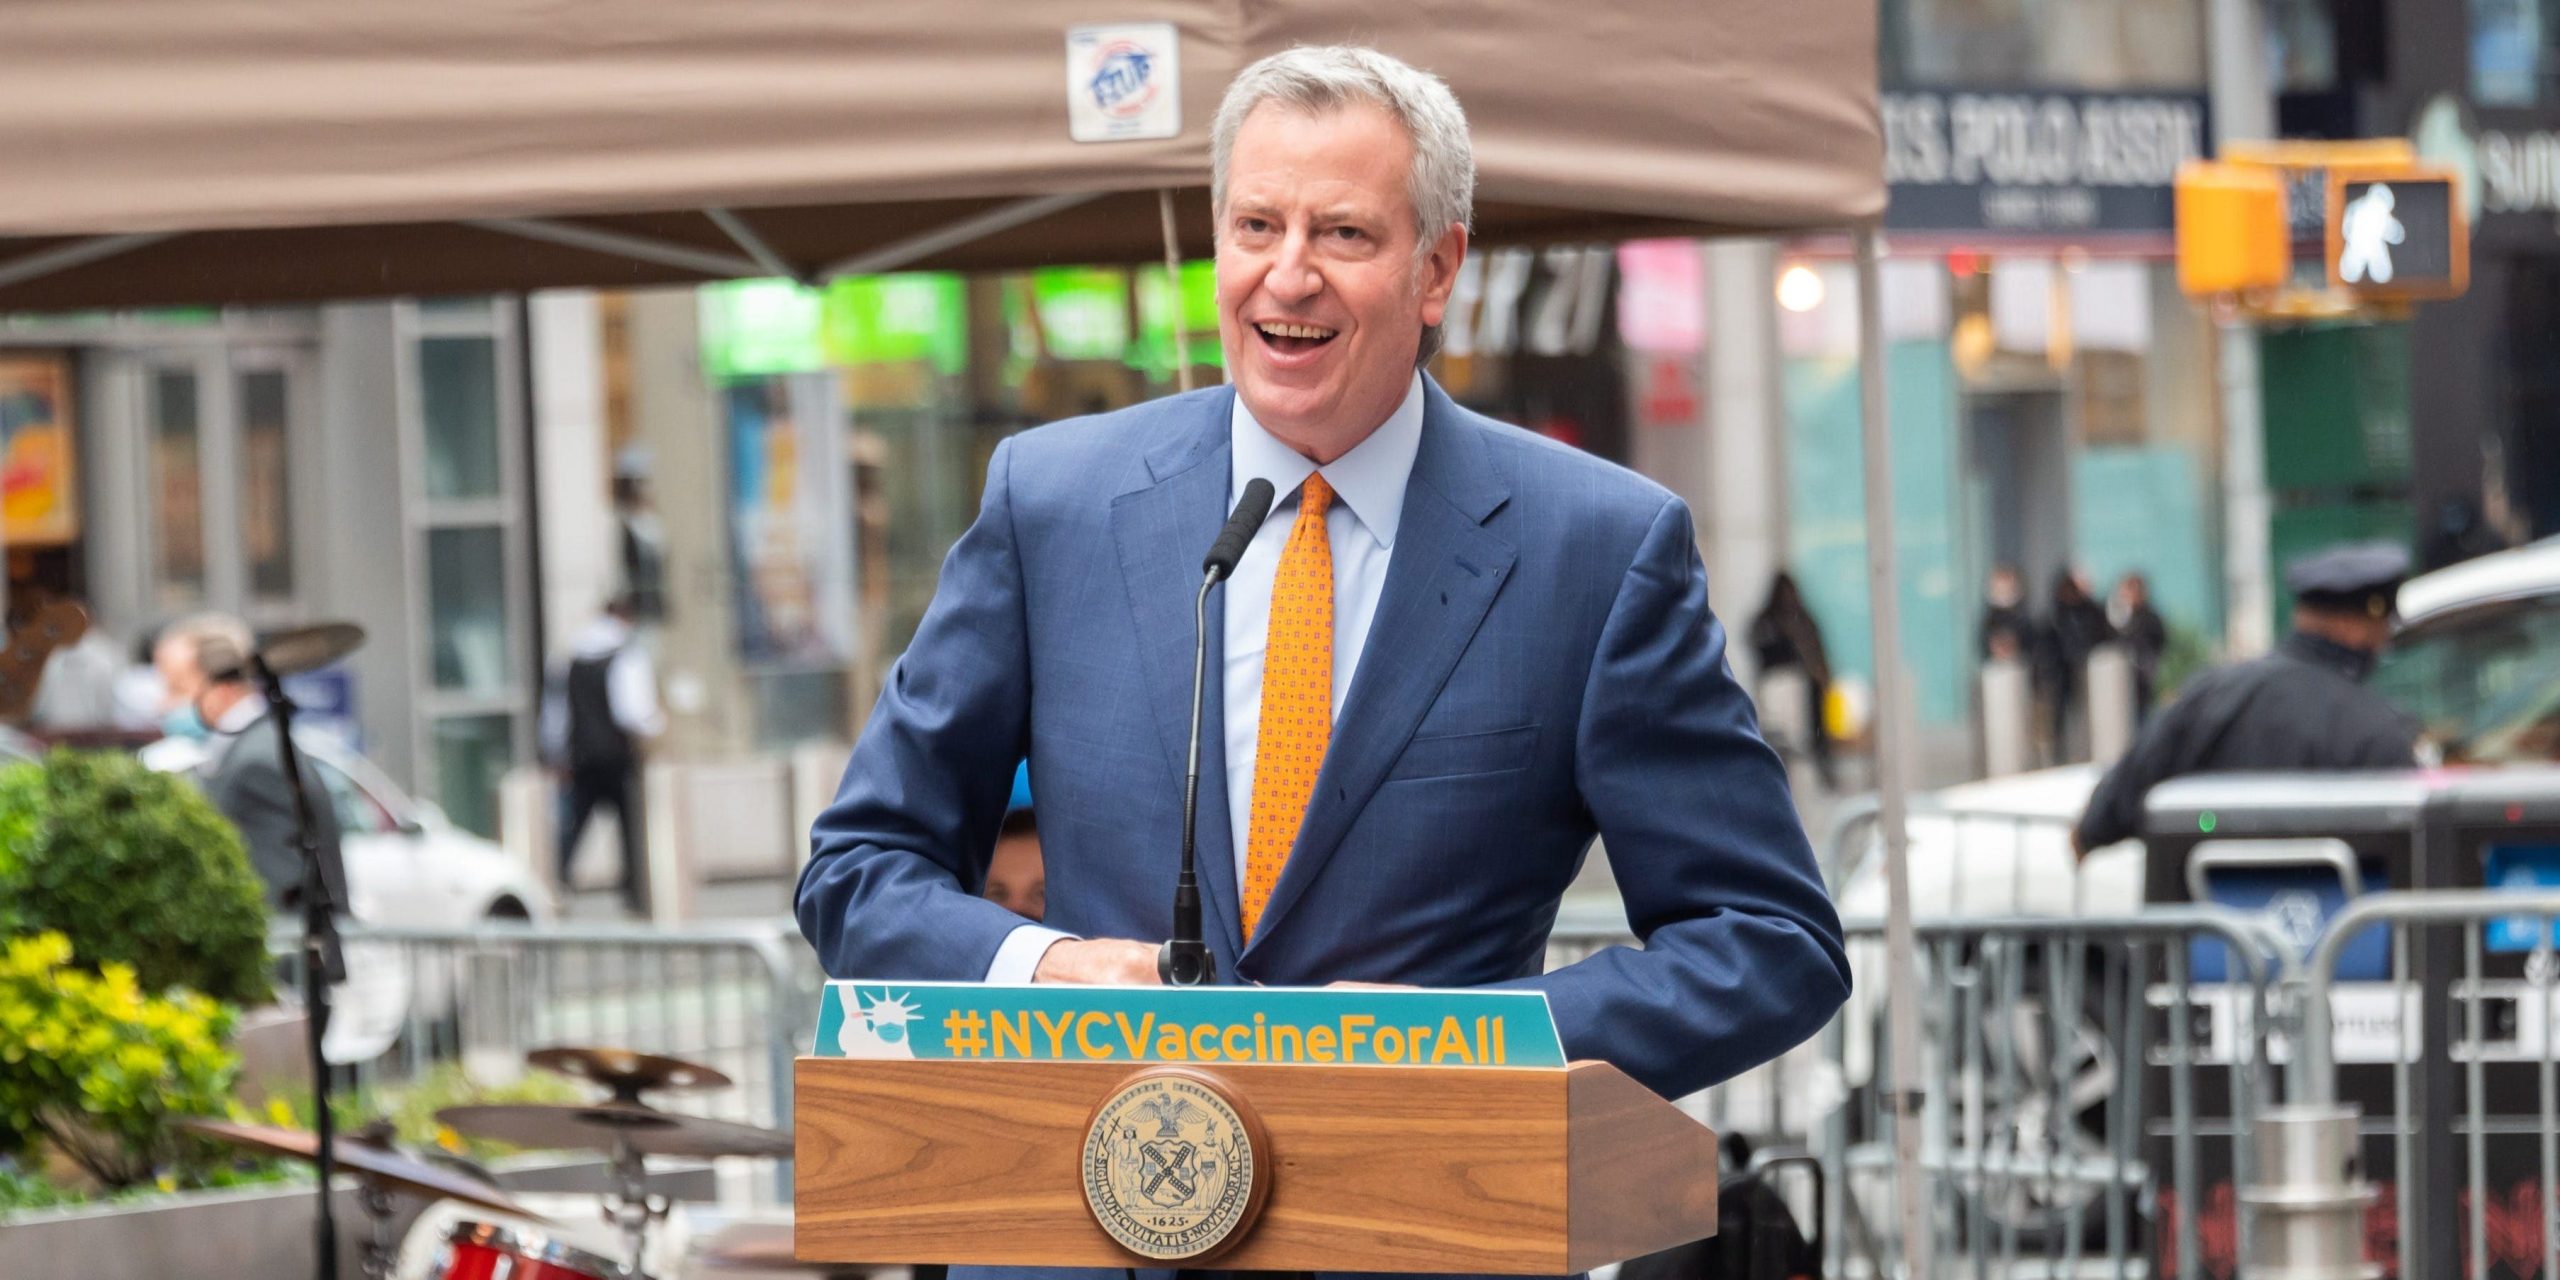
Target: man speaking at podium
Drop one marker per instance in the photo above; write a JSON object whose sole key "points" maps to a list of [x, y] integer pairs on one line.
{"points": [[1451, 655]]}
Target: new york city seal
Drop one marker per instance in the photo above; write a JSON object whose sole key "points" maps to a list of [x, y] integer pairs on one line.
{"points": [[1174, 1167]]}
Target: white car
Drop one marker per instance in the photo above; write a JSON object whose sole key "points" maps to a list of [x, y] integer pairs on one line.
{"points": [[408, 867], [2476, 662]]}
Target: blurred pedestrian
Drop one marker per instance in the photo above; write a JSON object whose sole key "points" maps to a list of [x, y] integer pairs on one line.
{"points": [[141, 695], [2461, 532], [2145, 637], [599, 711], [76, 691], [2304, 706], [206, 661], [2008, 633], [2073, 629], [644, 539], [1786, 636]]}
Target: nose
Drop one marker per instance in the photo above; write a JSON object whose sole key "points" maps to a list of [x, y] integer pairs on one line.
{"points": [[1293, 277]]}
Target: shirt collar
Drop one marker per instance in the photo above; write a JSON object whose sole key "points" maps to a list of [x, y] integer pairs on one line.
{"points": [[1370, 479], [601, 635], [242, 714]]}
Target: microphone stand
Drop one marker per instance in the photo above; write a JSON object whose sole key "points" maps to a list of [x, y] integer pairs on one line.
{"points": [[323, 963], [1186, 961]]}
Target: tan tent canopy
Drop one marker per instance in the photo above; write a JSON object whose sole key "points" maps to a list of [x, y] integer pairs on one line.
{"points": [[211, 151]]}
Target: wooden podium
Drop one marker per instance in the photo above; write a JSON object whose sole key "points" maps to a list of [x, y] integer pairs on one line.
{"points": [[1518, 1171]]}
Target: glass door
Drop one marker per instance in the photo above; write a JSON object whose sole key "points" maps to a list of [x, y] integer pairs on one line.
{"points": [[219, 427]]}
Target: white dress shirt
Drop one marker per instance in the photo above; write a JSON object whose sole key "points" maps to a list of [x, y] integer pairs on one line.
{"points": [[630, 683], [1368, 486]]}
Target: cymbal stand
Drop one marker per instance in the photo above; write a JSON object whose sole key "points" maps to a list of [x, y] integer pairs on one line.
{"points": [[632, 1209], [381, 1254]]}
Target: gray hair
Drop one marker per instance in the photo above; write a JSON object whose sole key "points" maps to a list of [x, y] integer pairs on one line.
{"points": [[218, 644], [1317, 79]]}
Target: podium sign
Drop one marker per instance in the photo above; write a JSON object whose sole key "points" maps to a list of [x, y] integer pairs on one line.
{"points": [[1269, 1129], [962, 1021]]}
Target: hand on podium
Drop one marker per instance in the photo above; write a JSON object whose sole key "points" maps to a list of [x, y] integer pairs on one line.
{"points": [[1098, 962]]}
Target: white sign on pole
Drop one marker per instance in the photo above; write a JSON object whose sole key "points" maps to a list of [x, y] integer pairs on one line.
{"points": [[1124, 82]]}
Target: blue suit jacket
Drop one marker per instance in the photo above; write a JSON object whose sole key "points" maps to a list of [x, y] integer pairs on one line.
{"points": [[1543, 666]]}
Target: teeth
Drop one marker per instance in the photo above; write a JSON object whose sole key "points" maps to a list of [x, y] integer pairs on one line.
{"points": [[1295, 331]]}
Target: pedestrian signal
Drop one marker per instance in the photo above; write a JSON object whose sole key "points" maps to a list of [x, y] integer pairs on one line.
{"points": [[2397, 233]]}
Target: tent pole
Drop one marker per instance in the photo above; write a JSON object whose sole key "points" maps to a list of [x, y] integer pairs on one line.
{"points": [[665, 253], [78, 253], [1173, 290], [753, 245], [1893, 759], [1004, 217]]}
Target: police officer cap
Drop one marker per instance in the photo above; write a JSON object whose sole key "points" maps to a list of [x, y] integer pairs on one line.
{"points": [[2362, 577]]}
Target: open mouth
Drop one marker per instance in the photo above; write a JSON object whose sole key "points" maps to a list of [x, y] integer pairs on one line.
{"points": [[1294, 339]]}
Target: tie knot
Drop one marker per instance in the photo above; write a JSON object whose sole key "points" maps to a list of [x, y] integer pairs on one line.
{"points": [[1316, 496]]}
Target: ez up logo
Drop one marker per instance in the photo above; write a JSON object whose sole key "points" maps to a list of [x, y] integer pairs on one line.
{"points": [[1124, 82], [1122, 86]]}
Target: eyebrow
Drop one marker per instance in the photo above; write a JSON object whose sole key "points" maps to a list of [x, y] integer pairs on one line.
{"points": [[1334, 214]]}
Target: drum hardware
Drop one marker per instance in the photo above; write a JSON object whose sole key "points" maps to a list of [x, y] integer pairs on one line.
{"points": [[487, 1251], [381, 1169], [624, 1128]]}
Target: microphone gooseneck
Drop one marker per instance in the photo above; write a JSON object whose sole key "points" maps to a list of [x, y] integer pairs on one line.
{"points": [[1184, 960]]}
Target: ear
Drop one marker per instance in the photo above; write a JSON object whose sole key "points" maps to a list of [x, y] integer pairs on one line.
{"points": [[1440, 274]]}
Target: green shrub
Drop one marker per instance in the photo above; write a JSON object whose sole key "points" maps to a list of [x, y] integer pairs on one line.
{"points": [[98, 1067], [135, 868]]}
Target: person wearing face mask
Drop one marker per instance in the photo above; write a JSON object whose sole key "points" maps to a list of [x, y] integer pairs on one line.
{"points": [[217, 709]]}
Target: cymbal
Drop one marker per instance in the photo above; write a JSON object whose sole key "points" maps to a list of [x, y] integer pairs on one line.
{"points": [[600, 1127], [378, 1164], [290, 653], [626, 1072]]}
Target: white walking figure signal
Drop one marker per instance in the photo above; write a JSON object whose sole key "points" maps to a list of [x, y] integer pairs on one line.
{"points": [[2368, 229]]}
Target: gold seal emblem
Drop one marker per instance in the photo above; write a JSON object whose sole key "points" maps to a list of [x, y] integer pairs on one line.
{"points": [[1173, 1167]]}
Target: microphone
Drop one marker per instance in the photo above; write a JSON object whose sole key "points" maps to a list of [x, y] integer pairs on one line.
{"points": [[1184, 960], [1249, 513]]}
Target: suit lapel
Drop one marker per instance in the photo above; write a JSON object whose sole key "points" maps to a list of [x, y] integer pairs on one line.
{"points": [[1444, 574], [1161, 532]]}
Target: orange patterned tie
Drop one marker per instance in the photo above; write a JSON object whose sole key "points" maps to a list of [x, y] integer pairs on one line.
{"points": [[1297, 699]]}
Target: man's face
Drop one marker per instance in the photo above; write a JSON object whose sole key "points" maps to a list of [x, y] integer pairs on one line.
{"points": [[175, 660], [1016, 880], [1321, 299]]}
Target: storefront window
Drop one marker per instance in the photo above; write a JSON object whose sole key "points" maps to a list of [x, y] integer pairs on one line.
{"points": [[2303, 37], [467, 609], [2056, 44], [473, 754], [177, 485], [266, 508], [2508, 52], [458, 396]]}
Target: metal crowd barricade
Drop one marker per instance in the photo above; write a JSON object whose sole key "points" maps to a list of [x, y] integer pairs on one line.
{"points": [[2473, 1076], [2065, 1060], [2073, 1066], [421, 1001]]}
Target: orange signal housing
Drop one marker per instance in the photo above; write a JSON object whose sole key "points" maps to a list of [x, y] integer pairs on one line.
{"points": [[2231, 229]]}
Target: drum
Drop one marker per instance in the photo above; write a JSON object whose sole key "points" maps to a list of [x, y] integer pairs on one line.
{"points": [[485, 1251]]}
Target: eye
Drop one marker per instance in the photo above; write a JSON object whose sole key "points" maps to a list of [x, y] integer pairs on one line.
{"points": [[1252, 225], [1349, 233]]}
